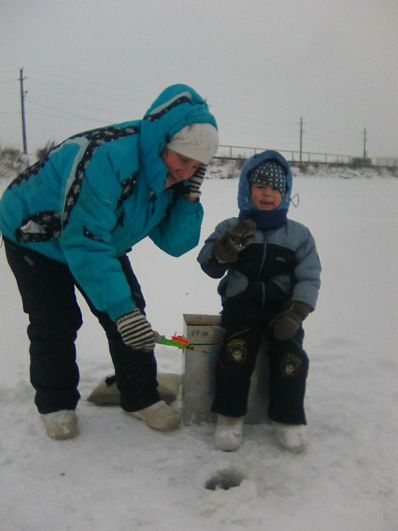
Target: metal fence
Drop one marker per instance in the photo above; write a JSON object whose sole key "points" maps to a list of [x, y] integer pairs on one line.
{"points": [[244, 152]]}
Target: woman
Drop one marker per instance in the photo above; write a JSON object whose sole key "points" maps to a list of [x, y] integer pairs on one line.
{"points": [[69, 221]]}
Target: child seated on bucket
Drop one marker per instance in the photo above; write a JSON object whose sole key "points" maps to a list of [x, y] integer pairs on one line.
{"points": [[271, 278]]}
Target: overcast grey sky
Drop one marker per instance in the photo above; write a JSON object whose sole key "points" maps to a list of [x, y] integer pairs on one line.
{"points": [[262, 64]]}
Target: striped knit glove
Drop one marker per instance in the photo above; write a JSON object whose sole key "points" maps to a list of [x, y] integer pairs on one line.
{"points": [[195, 182], [136, 332]]}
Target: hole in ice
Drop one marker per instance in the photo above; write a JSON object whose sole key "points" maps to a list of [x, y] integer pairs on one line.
{"points": [[225, 479]]}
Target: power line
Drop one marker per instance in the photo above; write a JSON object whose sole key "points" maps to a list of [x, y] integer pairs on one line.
{"points": [[64, 112], [105, 88]]}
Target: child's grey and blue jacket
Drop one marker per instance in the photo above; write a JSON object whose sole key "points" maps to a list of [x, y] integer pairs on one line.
{"points": [[102, 191], [281, 265]]}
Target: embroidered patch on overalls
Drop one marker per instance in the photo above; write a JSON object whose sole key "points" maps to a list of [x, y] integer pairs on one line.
{"points": [[236, 350], [290, 365]]}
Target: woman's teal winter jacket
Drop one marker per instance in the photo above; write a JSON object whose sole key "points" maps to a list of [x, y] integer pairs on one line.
{"points": [[102, 191]]}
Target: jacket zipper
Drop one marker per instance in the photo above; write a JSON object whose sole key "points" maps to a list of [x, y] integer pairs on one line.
{"points": [[261, 268]]}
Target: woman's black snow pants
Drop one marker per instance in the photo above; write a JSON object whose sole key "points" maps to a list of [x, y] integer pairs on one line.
{"points": [[47, 289]]}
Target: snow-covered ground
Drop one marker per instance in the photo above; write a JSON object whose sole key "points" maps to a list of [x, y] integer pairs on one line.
{"points": [[120, 475]]}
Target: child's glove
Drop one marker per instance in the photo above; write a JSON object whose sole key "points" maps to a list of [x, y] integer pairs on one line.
{"points": [[195, 182], [135, 330], [286, 324], [228, 247]]}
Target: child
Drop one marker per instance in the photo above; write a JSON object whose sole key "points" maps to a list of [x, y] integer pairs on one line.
{"points": [[271, 285]]}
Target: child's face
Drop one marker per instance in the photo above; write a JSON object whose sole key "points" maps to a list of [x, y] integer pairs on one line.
{"points": [[265, 197], [180, 167]]}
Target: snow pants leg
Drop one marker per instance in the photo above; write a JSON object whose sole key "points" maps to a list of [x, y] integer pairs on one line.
{"points": [[288, 365], [135, 370], [47, 289], [235, 365], [288, 374]]}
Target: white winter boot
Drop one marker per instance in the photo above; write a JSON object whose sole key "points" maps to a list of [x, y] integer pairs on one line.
{"points": [[158, 416], [292, 437], [229, 433], [61, 424]]}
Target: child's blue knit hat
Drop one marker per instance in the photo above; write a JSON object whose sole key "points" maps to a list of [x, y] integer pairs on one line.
{"points": [[270, 172]]}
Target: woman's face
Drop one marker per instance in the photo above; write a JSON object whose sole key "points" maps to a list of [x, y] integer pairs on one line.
{"points": [[179, 166]]}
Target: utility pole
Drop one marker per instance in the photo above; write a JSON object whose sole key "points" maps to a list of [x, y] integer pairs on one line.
{"points": [[23, 94], [365, 155], [301, 139]]}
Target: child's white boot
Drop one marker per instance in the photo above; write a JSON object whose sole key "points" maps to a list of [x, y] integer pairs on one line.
{"points": [[229, 433], [158, 416], [292, 437], [61, 424]]}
